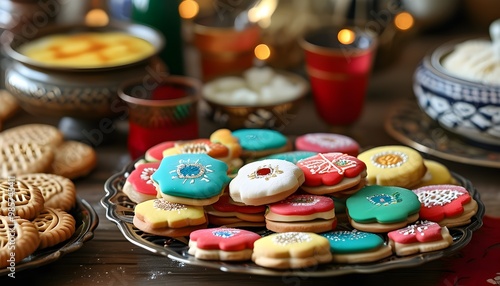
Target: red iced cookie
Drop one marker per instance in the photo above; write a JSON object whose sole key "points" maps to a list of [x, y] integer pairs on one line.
{"points": [[139, 187], [421, 231], [155, 153], [327, 142]]}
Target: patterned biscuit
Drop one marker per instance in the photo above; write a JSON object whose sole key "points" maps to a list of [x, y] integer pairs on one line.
{"points": [[448, 205], [8, 105], [138, 186], [58, 191], [74, 159], [256, 143], [393, 165], [164, 218], [422, 236], [326, 173], [42, 134], [17, 158], [191, 179], [54, 226], [225, 244], [291, 250], [18, 239], [356, 246], [264, 182], [20, 199], [382, 208], [327, 142]]}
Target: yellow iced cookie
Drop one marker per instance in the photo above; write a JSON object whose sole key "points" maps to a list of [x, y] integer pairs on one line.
{"points": [[291, 250], [393, 165], [437, 174], [161, 217]]}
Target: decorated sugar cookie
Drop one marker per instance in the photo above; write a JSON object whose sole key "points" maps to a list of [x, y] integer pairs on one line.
{"points": [[382, 208], [291, 156], [290, 250], [356, 246], [155, 153], [393, 165], [302, 212], [327, 142], [225, 212], [448, 205], [327, 173], [138, 186], [264, 182], [256, 143], [421, 236], [161, 217], [191, 179], [437, 173], [225, 244]]}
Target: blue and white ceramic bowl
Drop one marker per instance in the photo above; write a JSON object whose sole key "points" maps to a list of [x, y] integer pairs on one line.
{"points": [[468, 109]]}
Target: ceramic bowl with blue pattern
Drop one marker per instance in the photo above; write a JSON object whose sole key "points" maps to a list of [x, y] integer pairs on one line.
{"points": [[468, 109]]}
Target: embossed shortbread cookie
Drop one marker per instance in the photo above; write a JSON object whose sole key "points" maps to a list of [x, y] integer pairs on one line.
{"points": [[74, 159], [18, 234], [18, 198], [17, 158], [58, 191], [42, 134], [54, 226], [393, 165]]}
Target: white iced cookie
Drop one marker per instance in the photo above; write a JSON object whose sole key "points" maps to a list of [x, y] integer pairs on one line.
{"points": [[266, 181]]}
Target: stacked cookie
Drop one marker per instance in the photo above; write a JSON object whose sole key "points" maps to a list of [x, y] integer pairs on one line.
{"points": [[381, 197], [41, 148], [34, 214]]}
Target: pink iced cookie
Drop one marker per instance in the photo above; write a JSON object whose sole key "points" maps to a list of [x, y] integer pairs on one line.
{"points": [[138, 186], [227, 244], [421, 236], [155, 153], [327, 142], [449, 205]]}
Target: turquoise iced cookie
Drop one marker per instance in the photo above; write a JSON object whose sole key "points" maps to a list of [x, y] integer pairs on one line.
{"points": [[343, 241], [382, 204], [292, 156], [195, 176], [260, 139]]}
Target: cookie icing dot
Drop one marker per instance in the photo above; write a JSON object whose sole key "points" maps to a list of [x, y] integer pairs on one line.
{"points": [[225, 233], [384, 199], [264, 171], [304, 201], [291, 237], [438, 197], [167, 206], [390, 159]]}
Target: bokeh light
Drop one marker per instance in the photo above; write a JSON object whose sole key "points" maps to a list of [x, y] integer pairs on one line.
{"points": [[404, 21], [262, 52], [346, 36], [188, 9], [96, 18]]}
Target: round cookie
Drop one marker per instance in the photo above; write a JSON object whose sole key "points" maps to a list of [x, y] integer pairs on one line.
{"points": [[356, 246], [301, 213], [419, 237], [17, 158], [20, 199], [74, 159], [264, 182], [18, 234], [291, 250], [393, 165], [54, 226], [436, 174], [224, 244], [57, 191], [256, 143], [8, 105], [326, 143], [448, 205], [164, 218], [382, 208], [227, 213], [138, 186], [326, 173], [155, 153], [42, 134], [191, 179]]}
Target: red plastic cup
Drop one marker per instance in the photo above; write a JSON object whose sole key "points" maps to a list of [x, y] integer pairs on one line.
{"points": [[338, 73], [164, 110]]}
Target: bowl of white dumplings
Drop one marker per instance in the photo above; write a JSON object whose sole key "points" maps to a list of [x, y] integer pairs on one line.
{"points": [[259, 97], [458, 86]]}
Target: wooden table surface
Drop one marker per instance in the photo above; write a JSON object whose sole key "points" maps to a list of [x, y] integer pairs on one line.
{"points": [[109, 259]]}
